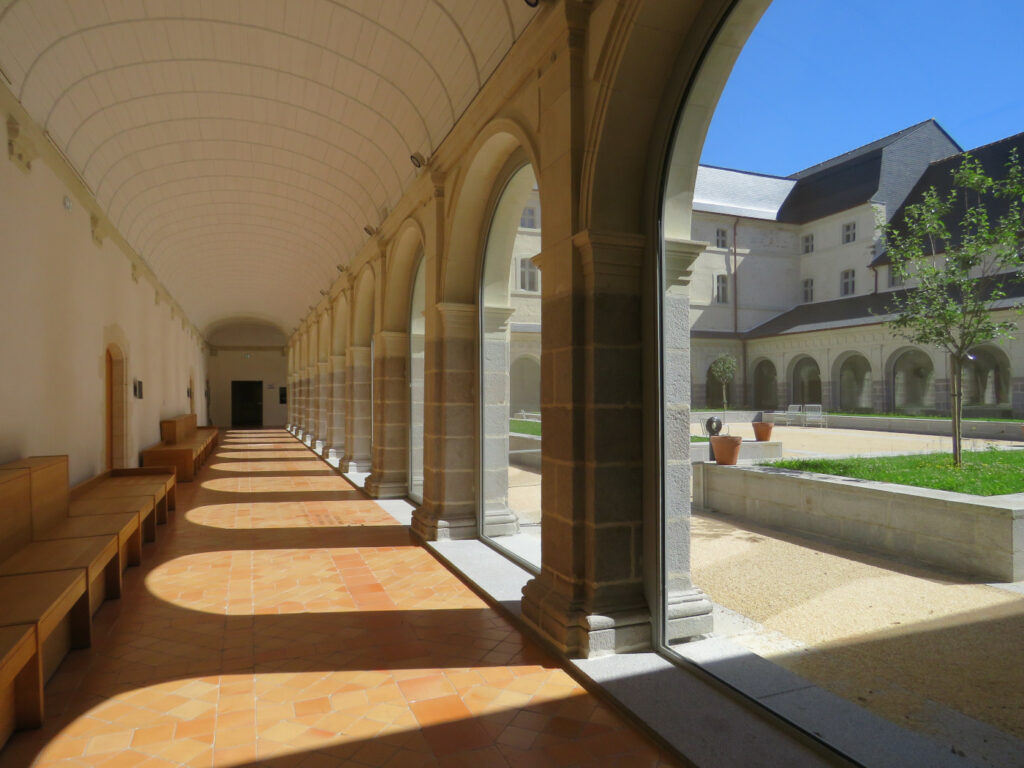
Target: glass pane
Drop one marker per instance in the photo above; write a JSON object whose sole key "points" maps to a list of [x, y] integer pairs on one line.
{"points": [[417, 346], [510, 483]]}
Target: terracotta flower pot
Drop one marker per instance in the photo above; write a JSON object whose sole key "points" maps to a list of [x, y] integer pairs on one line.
{"points": [[726, 448], [762, 430]]}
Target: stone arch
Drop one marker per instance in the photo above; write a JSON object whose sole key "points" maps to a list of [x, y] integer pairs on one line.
{"points": [[911, 380], [404, 257], [804, 379], [986, 380], [116, 408], [766, 385], [363, 307], [851, 374], [503, 143]]}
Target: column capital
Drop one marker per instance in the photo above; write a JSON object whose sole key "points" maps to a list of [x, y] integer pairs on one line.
{"points": [[679, 258], [611, 261], [496, 318], [457, 319]]}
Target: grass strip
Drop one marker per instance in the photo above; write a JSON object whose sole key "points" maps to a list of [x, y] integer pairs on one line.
{"points": [[984, 473], [524, 427]]}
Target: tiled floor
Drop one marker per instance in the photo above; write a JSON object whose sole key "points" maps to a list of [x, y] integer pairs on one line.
{"points": [[283, 619]]}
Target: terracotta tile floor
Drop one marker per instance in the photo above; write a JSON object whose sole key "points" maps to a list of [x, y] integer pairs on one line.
{"points": [[283, 619]]}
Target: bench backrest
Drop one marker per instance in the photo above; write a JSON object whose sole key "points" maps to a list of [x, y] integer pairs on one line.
{"points": [[49, 476], [794, 409], [15, 510], [178, 429], [813, 410]]}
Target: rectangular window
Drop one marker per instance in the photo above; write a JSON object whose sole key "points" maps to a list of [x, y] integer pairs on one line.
{"points": [[807, 244], [846, 282], [808, 290], [529, 218], [721, 289], [850, 232], [529, 276], [721, 238], [895, 281]]}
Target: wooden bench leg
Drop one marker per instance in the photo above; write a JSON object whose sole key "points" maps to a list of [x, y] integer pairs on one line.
{"points": [[112, 577], [172, 497], [161, 510], [149, 526], [81, 623], [28, 693], [133, 548]]}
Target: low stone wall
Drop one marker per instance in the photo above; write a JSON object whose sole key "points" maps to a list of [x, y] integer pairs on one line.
{"points": [[524, 451], [750, 450], [975, 535], [727, 417], [985, 430]]}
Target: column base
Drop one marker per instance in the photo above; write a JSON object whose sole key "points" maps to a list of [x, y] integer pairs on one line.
{"points": [[353, 464], [578, 634], [688, 615], [381, 488], [432, 524], [307, 438], [500, 522], [333, 456], [318, 447]]}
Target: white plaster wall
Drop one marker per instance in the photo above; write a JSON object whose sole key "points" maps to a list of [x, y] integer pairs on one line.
{"points": [[831, 256], [768, 272], [63, 299], [268, 366]]}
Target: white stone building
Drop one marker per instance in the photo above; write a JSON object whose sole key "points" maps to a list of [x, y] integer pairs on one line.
{"points": [[794, 284]]}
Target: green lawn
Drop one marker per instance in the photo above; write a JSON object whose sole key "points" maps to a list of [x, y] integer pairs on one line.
{"points": [[698, 439], [984, 473], [524, 427]]}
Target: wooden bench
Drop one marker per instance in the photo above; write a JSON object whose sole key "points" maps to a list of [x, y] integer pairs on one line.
{"points": [[183, 445], [35, 498], [42, 614], [159, 483], [21, 680]]}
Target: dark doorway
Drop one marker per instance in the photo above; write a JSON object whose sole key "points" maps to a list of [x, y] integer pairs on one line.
{"points": [[246, 404]]}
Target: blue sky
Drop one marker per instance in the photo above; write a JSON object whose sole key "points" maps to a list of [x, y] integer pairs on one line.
{"points": [[821, 77]]}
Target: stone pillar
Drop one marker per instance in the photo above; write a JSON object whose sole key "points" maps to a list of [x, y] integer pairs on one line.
{"points": [[309, 401], [336, 418], [357, 413], [449, 503], [389, 475], [589, 598], [499, 519], [687, 610], [323, 387]]}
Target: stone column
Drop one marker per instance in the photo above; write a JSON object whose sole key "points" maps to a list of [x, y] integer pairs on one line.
{"points": [[589, 598], [499, 519], [309, 403], [323, 387], [357, 413], [389, 476], [336, 418], [687, 610], [449, 503]]}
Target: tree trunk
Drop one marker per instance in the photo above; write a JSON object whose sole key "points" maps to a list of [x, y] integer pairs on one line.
{"points": [[725, 396], [956, 385]]}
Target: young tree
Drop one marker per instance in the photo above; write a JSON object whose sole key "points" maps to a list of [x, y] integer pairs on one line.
{"points": [[723, 369], [963, 248]]}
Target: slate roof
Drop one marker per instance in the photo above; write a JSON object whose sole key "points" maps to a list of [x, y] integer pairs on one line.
{"points": [[883, 171], [740, 193], [993, 159], [867, 309]]}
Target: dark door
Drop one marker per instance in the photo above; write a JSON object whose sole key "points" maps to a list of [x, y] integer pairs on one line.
{"points": [[246, 404]]}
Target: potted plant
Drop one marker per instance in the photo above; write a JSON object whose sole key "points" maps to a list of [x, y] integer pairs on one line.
{"points": [[762, 430], [726, 448]]}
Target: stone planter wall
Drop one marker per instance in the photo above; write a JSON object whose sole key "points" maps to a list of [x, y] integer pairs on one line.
{"points": [[524, 451], [750, 450], [975, 535], [985, 430]]}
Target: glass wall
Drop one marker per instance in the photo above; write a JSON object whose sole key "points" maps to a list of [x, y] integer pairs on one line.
{"points": [[417, 345], [510, 324]]}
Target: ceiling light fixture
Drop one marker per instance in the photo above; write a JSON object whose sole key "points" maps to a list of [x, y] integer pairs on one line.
{"points": [[417, 159], [369, 230], [532, 3]]}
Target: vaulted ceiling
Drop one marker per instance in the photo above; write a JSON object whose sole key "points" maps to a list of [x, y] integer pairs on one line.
{"points": [[240, 146]]}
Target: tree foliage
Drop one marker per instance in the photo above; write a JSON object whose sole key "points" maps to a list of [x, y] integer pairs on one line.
{"points": [[962, 248], [723, 369]]}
